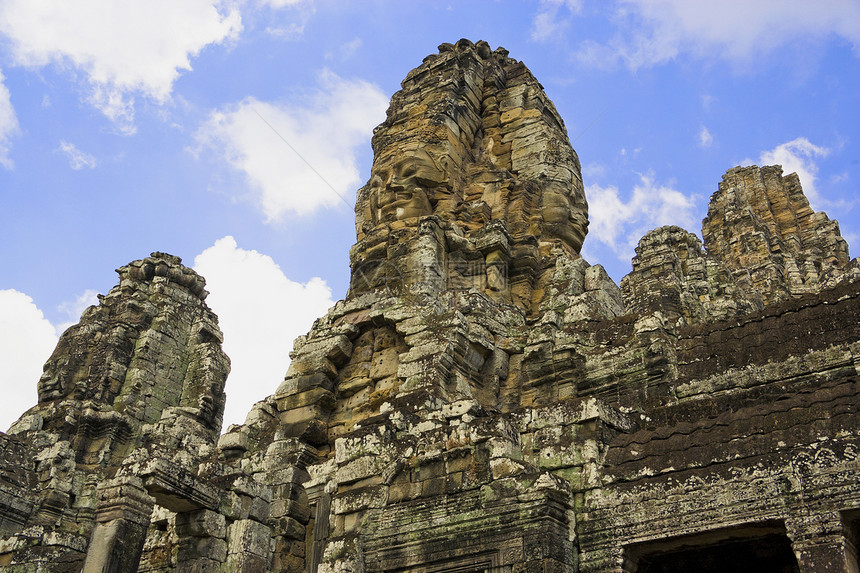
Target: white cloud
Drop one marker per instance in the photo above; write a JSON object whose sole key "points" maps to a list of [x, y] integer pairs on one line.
{"points": [[77, 158], [123, 47], [656, 31], [74, 309], [798, 156], [300, 13], [593, 170], [548, 23], [284, 3], [292, 31], [705, 137], [619, 224], [298, 158], [8, 124], [27, 339], [261, 312]]}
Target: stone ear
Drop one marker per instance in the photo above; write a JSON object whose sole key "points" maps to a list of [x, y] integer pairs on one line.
{"points": [[445, 164]]}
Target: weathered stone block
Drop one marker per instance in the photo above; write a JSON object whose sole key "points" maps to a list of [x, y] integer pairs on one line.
{"points": [[360, 499], [246, 536], [402, 491], [320, 397], [202, 523], [202, 548], [244, 563], [234, 441]]}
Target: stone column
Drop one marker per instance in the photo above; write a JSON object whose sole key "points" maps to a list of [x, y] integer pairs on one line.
{"points": [[122, 519], [202, 541], [289, 510], [608, 558], [822, 544], [249, 546]]}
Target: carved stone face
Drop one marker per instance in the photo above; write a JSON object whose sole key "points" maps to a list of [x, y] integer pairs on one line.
{"points": [[565, 216], [402, 190], [50, 387]]}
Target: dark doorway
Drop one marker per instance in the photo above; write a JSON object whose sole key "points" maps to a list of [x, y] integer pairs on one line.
{"points": [[765, 554]]}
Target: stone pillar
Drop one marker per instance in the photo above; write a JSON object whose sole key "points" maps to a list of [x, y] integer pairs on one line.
{"points": [[321, 529], [290, 509], [249, 547], [822, 544], [202, 541], [122, 517], [608, 559]]}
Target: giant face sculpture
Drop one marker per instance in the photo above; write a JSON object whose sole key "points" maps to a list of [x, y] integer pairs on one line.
{"points": [[565, 215], [407, 187], [51, 387]]}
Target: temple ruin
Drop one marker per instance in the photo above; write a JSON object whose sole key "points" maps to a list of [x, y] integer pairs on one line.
{"points": [[483, 399]]}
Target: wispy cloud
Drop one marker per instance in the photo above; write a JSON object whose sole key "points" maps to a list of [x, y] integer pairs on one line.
{"points": [[798, 156], [297, 157], [551, 20], [300, 13], [8, 124], [124, 49], [620, 223], [285, 3], [259, 330], [346, 51], [705, 137], [73, 310], [77, 159], [840, 177], [652, 32], [593, 170]]}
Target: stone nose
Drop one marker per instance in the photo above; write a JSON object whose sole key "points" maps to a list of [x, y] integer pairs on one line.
{"points": [[397, 184]]}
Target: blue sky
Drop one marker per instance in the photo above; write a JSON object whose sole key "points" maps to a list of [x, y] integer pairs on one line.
{"points": [[128, 127]]}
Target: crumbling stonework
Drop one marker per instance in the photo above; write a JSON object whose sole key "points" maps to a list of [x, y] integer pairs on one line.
{"points": [[762, 244], [138, 382], [483, 399], [786, 249]]}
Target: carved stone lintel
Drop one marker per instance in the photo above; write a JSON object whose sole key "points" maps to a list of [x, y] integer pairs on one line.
{"points": [[177, 489]]}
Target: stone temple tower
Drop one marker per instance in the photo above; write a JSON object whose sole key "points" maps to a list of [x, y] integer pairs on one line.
{"points": [[466, 263], [484, 399]]}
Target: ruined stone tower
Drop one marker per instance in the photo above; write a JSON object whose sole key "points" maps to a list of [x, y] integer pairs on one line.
{"points": [[483, 400]]}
